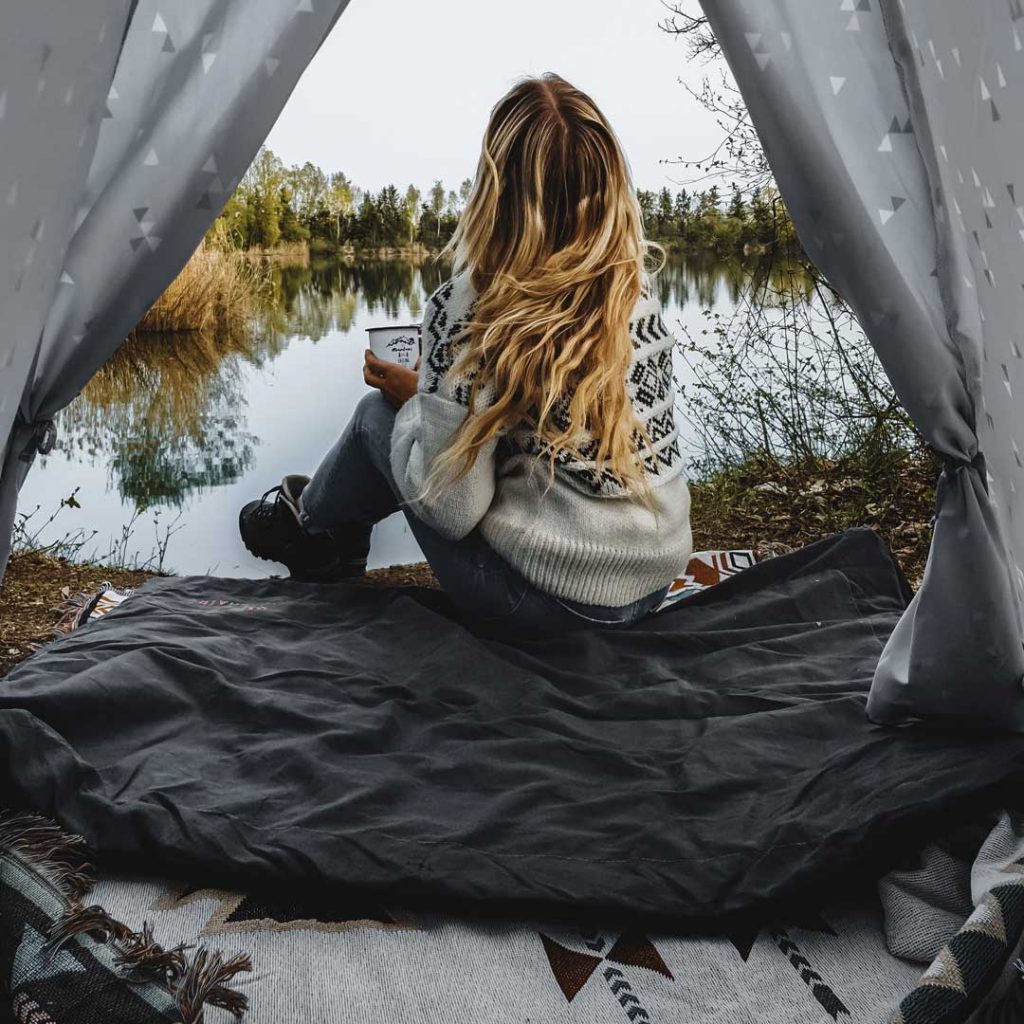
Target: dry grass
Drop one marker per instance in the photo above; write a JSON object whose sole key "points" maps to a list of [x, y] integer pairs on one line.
{"points": [[215, 294]]}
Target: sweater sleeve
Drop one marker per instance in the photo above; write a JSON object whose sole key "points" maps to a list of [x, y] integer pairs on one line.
{"points": [[424, 427]]}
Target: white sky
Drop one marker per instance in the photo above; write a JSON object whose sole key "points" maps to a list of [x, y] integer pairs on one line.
{"points": [[401, 90]]}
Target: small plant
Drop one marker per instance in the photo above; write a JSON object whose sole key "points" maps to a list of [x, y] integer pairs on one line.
{"points": [[28, 531], [120, 556], [71, 546]]}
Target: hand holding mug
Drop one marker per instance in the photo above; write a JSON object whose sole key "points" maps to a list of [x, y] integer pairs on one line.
{"points": [[396, 383]]}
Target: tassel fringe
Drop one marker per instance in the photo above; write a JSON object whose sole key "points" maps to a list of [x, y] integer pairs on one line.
{"points": [[205, 981], [93, 921], [74, 610], [193, 977], [61, 858]]}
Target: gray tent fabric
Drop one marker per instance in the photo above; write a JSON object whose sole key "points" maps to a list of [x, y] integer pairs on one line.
{"points": [[895, 132], [196, 89], [56, 65]]}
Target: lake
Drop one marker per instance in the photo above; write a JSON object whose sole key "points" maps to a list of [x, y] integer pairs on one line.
{"points": [[178, 432]]}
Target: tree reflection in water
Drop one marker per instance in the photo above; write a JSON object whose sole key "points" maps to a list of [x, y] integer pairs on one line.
{"points": [[167, 414]]}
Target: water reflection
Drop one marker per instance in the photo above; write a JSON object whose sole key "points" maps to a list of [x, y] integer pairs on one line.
{"points": [[702, 281], [167, 416], [323, 296]]}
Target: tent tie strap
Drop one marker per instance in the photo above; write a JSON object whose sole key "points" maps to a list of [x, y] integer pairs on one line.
{"points": [[951, 463], [41, 440]]}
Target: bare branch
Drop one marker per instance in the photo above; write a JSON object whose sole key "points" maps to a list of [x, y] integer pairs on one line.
{"points": [[696, 31]]}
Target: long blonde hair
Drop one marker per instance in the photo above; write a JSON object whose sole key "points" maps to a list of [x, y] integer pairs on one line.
{"points": [[552, 236]]}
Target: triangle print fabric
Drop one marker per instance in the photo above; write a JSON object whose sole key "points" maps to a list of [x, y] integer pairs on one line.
{"points": [[56, 65], [125, 126], [895, 130]]}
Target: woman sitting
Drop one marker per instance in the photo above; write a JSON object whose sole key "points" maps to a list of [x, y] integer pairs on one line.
{"points": [[535, 451]]}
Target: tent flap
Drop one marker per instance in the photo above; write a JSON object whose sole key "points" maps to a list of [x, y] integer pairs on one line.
{"points": [[197, 87], [897, 161], [56, 66]]}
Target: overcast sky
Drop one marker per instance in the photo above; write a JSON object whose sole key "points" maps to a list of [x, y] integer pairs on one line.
{"points": [[401, 90]]}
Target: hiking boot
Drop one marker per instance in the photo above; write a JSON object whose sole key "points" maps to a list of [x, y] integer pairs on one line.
{"points": [[272, 529]]}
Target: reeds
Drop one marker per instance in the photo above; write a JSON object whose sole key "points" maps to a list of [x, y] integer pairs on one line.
{"points": [[295, 254], [216, 293]]}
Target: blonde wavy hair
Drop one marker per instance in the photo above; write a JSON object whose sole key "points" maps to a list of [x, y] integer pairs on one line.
{"points": [[552, 235]]}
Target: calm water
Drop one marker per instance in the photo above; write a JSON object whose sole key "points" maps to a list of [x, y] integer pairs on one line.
{"points": [[178, 432]]}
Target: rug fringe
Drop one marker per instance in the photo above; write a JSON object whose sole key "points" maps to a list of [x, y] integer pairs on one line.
{"points": [[143, 957], [73, 609], [205, 981], [60, 857], [193, 977], [93, 921]]}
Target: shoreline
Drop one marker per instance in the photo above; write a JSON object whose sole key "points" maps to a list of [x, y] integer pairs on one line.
{"points": [[770, 510], [302, 252]]}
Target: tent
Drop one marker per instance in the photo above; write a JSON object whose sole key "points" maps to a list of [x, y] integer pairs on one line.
{"points": [[896, 135]]}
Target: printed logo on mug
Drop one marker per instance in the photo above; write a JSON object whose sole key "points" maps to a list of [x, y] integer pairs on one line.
{"points": [[398, 344]]}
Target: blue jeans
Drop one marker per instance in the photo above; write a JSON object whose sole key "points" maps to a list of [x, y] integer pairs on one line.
{"points": [[354, 485]]}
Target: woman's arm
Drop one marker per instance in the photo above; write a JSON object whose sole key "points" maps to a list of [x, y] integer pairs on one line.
{"points": [[424, 428], [427, 422]]}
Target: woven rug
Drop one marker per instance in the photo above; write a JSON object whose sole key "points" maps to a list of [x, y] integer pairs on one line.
{"points": [[375, 963], [957, 912], [67, 957], [704, 569]]}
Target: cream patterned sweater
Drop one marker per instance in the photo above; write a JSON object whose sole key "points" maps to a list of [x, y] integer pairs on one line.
{"points": [[578, 537]]}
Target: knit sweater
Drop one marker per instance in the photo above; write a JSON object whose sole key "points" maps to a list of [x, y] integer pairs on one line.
{"points": [[577, 536]]}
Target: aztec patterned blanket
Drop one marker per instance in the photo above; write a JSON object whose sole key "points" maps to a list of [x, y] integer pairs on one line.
{"points": [[704, 569], [325, 958]]}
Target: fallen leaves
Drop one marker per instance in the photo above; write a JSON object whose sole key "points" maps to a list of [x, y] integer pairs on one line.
{"points": [[770, 506]]}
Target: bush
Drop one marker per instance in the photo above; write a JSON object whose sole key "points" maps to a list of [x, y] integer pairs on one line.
{"points": [[797, 432]]}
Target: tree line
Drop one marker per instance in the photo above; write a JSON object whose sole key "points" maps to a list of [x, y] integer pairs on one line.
{"points": [[703, 222], [276, 205]]}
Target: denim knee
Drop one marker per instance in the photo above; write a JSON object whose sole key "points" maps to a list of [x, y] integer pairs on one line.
{"points": [[373, 415]]}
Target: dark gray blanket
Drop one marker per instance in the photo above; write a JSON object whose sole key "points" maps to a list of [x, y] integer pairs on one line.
{"points": [[709, 760]]}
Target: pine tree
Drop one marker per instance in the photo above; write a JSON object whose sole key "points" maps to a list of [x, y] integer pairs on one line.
{"points": [[646, 201], [291, 228], [664, 212], [737, 205]]}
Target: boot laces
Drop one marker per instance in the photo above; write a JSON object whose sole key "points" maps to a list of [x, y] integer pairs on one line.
{"points": [[269, 509]]}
